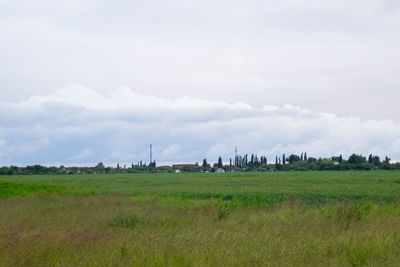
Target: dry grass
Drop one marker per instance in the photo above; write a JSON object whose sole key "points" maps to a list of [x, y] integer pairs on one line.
{"points": [[115, 230]]}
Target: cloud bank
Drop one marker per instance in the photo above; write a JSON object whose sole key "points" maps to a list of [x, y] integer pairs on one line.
{"points": [[309, 53], [77, 125]]}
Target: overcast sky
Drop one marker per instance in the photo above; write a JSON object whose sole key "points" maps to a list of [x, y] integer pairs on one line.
{"points": [[87, 81]]}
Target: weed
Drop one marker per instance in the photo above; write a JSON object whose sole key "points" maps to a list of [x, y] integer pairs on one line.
{"points": [[353, 211], [225, 208], [359, 254], [128, 221]]}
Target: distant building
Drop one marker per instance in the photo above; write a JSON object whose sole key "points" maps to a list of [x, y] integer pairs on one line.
{"points": [[219, 170], [177, 171]]}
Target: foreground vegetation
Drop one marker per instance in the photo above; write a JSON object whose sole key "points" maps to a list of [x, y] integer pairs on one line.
{"points": [[304, 218]]}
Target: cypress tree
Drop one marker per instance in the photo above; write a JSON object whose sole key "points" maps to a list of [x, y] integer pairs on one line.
{"points": [[220, 165], [205, 163]]}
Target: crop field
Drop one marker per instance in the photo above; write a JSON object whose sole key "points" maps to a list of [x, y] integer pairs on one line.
{"points": [[201, 219]]}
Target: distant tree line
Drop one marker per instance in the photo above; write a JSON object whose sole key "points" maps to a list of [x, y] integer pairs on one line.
{"points": [[245, 162], [304, 163], [100, 168]]}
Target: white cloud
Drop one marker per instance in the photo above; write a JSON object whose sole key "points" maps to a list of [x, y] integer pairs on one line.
{"points": [[84, 155], [170, 151], [121, 98], [79, 125], [338, 56], [217, 150]]}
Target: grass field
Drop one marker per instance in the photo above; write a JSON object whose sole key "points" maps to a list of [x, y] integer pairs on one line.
{"points": [[231, 219]]}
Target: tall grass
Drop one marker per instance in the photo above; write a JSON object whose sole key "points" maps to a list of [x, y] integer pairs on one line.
{"points": [[117, 230], [283, 219]]}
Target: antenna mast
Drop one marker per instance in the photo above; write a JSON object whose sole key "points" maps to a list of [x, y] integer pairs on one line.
{"points": [[151, 154], [236, 159]]}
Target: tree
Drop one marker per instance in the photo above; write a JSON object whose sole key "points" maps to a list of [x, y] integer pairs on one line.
{"points": [[263, 160], [293, 158], [376, 161], [386, 160], [386, 163], [284, 159], [305, 156], [205, 164], [356, 159], [276, 159], [152, 164], [99, 167], [311, 159], [220, 165]]}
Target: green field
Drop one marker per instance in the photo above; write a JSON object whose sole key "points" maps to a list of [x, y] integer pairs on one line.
{"points": [[199, 219]]}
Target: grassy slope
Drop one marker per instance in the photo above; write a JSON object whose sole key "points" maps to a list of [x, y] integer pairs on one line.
{"points": [[144, 221]]}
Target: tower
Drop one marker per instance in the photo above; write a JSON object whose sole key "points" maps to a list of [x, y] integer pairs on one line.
{"points": [[151, 154], [236, 159]]}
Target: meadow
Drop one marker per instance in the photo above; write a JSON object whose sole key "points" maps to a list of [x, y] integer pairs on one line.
{"points": [[201, 219]]}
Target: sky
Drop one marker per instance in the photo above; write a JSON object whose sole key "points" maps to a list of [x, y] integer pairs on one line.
{"points": [[88, 81]]}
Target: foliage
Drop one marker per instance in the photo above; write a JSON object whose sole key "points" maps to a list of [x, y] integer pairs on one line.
{"points": [[219, 164], [241, 163]]}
